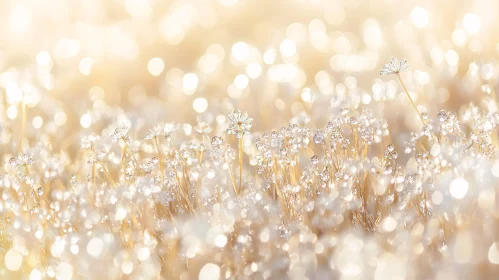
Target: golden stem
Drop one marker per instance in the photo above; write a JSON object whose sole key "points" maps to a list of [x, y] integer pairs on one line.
{"points": [[178, 152], [93, 174], [23, 125], [183, 191], [410, 98], [240, 163], [186, 197], [108, 176], [160, 158], [425, 199], [123, 162], [185, 176], [356, 138], [495, 137], [132, 155], [93, 166], [233, 181]]}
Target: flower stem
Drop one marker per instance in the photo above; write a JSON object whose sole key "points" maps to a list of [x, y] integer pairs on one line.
{"points": [[495, 137], [159, 158], [240, 163], [177, 151], [410, 98], [23, 125], [233, 181], [108, 176], [132, 155]]}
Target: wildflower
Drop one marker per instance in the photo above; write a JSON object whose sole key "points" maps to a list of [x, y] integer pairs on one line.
{"points": [[23, 159], [216, 141], [154, 132], [121, 132], [240, 123], [169, 129], [394, 67], [390, 152], [21, 163], [88, 141], [202, 128], [150, 165], [318, 136], [222, 153]]}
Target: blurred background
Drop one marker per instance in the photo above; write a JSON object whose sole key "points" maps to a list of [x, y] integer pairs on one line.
{"points": [[80, 67], [78, 63]]}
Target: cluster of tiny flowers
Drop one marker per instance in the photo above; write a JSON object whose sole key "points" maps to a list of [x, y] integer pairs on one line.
{"points": [[350, 196]]}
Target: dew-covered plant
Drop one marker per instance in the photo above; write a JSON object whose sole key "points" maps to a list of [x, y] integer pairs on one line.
{"points": [[346, 192]]}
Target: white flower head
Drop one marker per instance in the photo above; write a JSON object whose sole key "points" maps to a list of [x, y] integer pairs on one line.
{"points": [[21, 160], [394, 67], [156, 131], [169, 129], [121, 132], [240, 123]]}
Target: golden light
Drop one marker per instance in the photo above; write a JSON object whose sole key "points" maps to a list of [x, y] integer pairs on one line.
{"points": [[238, 139], [200, 104], [190, 83], [458, 188], [472, 23], [155, 66], [419, 17]]}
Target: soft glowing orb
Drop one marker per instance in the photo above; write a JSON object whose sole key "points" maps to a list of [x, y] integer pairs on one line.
{"points": [[86, 120], [60, 118], [458, 188], [241, 81], [220, 240], [210, 271], [419, 17], [240, 51], [494, 254], [190, 83], [13, 260], [43, 58], [253, 70], [64, 271], [20, 19], [85, 66], [200, 105], [37, 122], [35, 275], [155, 66], [287, 48], [472, 23], [389, 224], [95, 247]]}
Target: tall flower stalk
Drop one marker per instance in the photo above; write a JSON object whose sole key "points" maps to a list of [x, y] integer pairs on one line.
{"points": [[121, 133], [23, 124], [394, 67], [153, 134], [240, 124]]}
